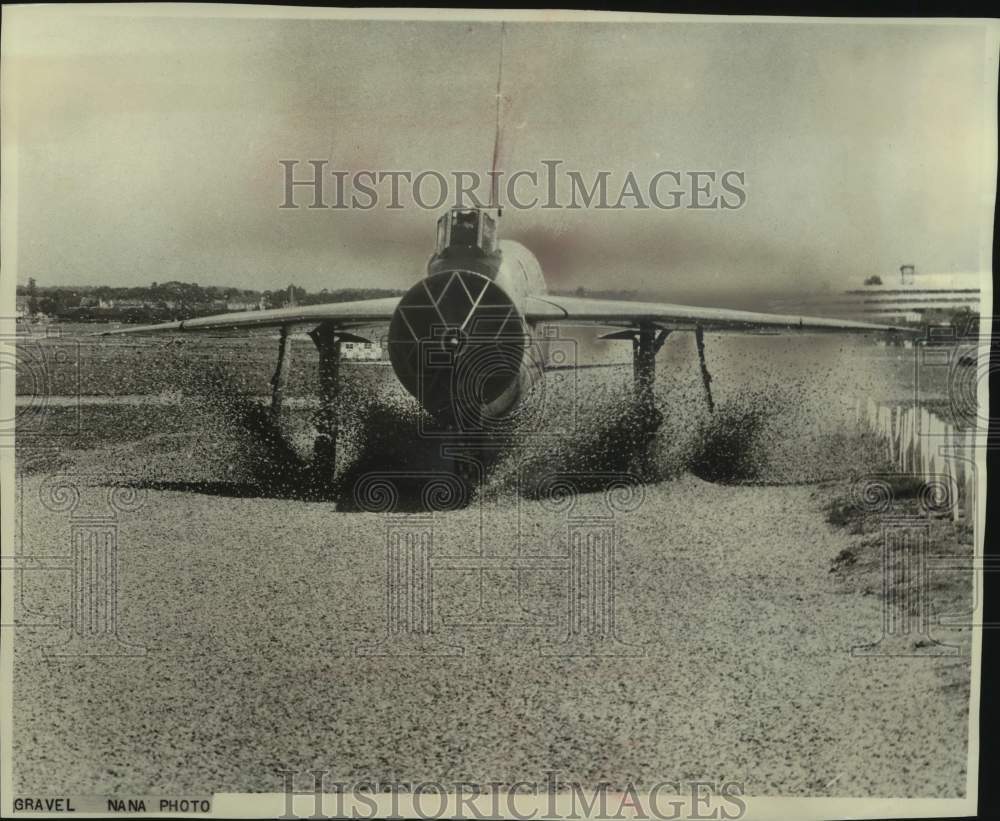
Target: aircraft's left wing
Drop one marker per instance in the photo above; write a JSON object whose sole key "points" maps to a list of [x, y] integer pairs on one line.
{"points": [[342, 314], [581, 310]]}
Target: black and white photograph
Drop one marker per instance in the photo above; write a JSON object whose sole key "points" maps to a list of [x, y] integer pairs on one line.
{"points": [[492, 414]]}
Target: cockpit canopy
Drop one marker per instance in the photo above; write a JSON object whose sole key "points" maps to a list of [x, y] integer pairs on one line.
{"points": [[466, 229]]}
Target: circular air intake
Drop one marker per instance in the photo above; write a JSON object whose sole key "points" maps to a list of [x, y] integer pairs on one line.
{"points": [[457, 342]]}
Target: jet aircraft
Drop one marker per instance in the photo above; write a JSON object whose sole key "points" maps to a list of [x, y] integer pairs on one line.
{"points": [[471, 337]]}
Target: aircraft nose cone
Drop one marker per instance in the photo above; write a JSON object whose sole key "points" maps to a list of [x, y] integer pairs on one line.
{"points": [[453, 339]]}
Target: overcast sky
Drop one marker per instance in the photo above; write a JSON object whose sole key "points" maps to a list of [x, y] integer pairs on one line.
{"points": [[149, 148]]}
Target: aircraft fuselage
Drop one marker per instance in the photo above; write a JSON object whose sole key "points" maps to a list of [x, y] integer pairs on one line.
{"points": [[459, 341]]}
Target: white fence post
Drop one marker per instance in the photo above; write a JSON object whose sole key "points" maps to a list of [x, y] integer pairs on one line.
{"points": [[913, 438]]}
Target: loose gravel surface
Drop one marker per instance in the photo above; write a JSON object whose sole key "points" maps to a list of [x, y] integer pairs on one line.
{"points": [[731, 658], [738, 664]]}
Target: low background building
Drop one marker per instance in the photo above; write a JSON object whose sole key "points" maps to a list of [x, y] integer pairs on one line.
{"points": [[361, 350], [913, 296]]}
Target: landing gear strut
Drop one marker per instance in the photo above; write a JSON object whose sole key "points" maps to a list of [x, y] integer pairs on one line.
{"points": [[280, 373], [327, 341], [646, 344], [706, 377]]}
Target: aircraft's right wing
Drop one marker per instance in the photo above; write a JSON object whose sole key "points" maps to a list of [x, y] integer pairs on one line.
{"points": [[611, 312], [341, 314]]}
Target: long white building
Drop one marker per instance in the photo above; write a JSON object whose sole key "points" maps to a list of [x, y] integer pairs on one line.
{"points": [[910, 295], [906, 296]]}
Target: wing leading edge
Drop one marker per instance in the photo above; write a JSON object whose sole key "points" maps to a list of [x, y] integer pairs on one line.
{"points": [[549, 308], [343, 314], [611, 312]]}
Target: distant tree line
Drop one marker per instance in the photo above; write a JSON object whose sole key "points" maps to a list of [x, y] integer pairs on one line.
{"points": [[163, 301]]}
